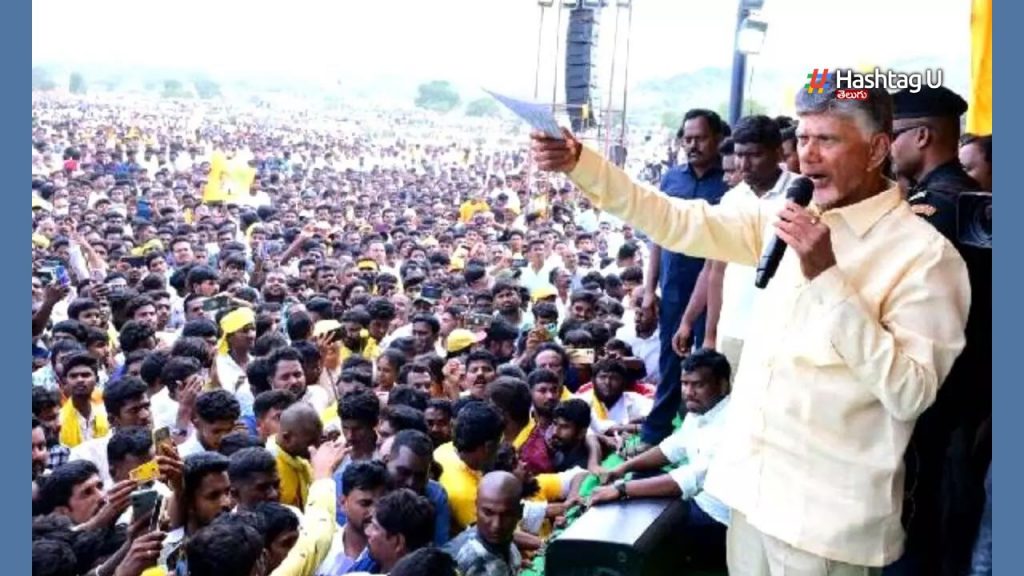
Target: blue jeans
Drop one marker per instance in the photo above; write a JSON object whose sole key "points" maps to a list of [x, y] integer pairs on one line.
{"points": [[668, 396]]}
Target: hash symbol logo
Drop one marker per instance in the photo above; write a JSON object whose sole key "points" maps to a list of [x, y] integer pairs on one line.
{"points": [[817, 81]]}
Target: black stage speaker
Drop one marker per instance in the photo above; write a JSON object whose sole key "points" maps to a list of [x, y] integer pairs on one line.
{"points": [[633, 538], [581, 66]]}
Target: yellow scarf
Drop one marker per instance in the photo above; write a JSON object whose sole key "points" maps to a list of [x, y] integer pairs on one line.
{"points": [[233, 322], [599, 410], [296, 475], [524, 434], [70, 432], [370, 351]]}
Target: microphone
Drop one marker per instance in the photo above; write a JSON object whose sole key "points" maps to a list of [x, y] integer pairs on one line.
{"points": [[799, 192]]}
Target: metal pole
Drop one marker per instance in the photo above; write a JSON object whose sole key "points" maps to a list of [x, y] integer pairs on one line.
{"points": [[625, 78], [739, 65], [558, 45], [611, 85], [540, 41]]}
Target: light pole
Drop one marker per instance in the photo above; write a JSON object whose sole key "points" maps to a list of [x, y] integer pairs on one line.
{"points": [[750, 32], [544, 5]]}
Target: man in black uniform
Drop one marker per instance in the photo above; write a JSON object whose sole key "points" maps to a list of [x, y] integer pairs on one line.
{"points": [[943, 487], [925, 151]]}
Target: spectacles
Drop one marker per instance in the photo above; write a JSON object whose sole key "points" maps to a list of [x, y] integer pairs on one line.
{"points": [[897, 132]]}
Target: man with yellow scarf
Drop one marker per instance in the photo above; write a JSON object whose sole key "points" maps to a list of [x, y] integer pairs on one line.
{"points": [[238, 334], [80, 418], [614, 408], [300, 429]]}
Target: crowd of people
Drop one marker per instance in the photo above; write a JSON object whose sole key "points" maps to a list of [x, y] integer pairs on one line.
{"points": [[386, 355]]}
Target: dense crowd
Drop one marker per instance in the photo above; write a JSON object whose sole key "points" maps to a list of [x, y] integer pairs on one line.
{"points": [[280, 344]]}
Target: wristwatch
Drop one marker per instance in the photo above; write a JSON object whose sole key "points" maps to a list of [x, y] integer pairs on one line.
{"points": [[620, 486]]}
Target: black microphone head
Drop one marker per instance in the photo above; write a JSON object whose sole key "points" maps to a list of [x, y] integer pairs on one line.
{"points": [[800, 191]]}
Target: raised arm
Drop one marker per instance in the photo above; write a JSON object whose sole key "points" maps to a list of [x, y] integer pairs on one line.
{"points": [[692, 227]]}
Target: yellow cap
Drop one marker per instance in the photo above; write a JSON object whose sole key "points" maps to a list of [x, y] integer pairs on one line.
{"points": [[460, 339], [545, 291]]}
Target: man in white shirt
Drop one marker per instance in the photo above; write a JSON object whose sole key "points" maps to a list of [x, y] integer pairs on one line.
{"points": [[757, 143], [643, 335], [127, 406], [537, 271], [216, 415], [705, 383], [612, 407], [286, 372], [853, 339]]}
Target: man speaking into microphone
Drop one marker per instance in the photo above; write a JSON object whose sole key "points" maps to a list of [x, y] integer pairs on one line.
{"points": [[857, 330]]}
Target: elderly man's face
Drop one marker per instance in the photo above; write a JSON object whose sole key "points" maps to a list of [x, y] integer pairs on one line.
{"points": [[838, 158]]}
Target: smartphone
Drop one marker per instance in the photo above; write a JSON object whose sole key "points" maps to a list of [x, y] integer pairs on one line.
{"points": [[216, 303], [552, 330], [144, 501], [519, 263], [581, 355], [477, 321], [154, 520], [162, 435], [60, 274]]}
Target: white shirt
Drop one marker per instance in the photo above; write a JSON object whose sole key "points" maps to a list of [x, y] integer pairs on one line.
{"points": [[316, 397], [229, 373], [587, 221], [164, 409], [405, 331], [190, 446], [630, 407], [533, 280], [95, 451], [648, 349], [696, 442], [738, 291], [86, 424]]}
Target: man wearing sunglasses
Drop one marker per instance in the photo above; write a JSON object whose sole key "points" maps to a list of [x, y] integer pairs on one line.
{"points": [[925, 149]]}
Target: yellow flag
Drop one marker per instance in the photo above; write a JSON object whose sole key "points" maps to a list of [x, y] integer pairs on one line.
{"points": [[979, 112], [214, 190]]}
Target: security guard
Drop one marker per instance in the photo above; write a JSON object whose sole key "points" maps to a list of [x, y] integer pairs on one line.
{"points": [[925, 151], [938, 514]]}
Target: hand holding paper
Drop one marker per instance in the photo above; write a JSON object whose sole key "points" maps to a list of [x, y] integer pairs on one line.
{"points": [[538, 116]]}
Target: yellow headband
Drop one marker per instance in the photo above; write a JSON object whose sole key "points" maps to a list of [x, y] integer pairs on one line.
{"points": [[233, 322]]}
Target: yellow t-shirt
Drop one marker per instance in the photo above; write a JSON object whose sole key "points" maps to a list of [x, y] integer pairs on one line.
{"points": [[296, 476], [469, 208], [461, 483]]}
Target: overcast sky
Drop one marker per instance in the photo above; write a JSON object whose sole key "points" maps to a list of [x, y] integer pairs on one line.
{"points": [[487, 42]]}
